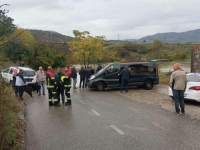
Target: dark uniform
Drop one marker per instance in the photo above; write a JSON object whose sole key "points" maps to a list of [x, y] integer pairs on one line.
{"points": [[51, 83], [66, 80], [125, 75], [60, 87]]}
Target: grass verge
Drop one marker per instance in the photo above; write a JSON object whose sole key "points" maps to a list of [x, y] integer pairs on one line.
{"points": [[164, 77], [9, 122]]}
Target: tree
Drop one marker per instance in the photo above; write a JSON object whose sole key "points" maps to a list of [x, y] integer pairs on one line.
{"points": [[157, 44], [86, 48], [6, 27]]}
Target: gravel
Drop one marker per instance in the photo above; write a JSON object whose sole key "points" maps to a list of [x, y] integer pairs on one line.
{"points": [[159, 96]]}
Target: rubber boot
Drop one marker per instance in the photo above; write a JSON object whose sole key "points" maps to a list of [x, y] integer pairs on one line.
{"points": [[50, 103]]}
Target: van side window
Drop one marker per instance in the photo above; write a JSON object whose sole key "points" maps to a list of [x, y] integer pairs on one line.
{"points": [[7, 70], [112, 69], [145, 68], [133, 68]]}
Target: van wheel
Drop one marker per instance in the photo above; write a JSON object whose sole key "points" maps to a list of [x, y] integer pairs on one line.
{"points": [[148, 85], [100, 86]]}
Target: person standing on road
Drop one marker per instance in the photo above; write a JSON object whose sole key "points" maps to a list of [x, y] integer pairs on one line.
{"points": [[98, 68], [51, 86], [74, 76], [82, 74], [14, 81], [66, 80], [89, 72], [40, 78], [20, 83], [125, 75], [92, 70], [178, 81], [60, 85]]}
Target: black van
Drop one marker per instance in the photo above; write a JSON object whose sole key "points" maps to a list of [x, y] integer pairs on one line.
{"points": [[143, 74]]}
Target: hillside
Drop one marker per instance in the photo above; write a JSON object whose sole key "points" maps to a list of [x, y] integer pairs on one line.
{"points": [[192, 36], [50, 36]]}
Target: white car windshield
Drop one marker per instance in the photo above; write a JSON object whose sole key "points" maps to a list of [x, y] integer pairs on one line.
{"points": [[193, 77]]}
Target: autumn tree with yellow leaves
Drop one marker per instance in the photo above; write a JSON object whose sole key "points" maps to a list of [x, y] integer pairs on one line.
{"points": [[86, 48]]}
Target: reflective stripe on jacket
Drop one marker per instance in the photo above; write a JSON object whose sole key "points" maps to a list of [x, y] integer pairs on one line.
{"points": [[66, 81], [50, 81]]}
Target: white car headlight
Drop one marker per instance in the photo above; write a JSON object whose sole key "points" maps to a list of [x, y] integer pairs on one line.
{"points": [[92, 77]]}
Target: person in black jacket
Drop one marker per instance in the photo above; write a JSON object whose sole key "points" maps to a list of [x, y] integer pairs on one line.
{"points": [[89, 72], [74, 76], [82, 74], [98, 68], [92, 70], [59, 86], [125, 75]]}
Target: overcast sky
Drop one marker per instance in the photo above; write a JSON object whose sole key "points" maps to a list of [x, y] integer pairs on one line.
{"points": [[131, 19]]}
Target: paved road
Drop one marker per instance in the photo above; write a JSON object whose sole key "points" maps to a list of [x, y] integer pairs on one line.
{"points": [[106, 121]]}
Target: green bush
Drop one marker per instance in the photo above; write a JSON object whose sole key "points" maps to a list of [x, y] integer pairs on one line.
{"points": [[142, 52]]}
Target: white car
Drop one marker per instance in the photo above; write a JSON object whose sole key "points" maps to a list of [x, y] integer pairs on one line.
{"points": [[192, 91], [29, 75]]}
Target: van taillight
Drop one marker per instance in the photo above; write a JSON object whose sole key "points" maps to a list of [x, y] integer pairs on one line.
{"points": [[156, 70], [197, 88]]}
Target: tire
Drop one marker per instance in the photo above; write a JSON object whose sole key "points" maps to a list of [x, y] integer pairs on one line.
{"points": [[148, 85], [100, 86]]}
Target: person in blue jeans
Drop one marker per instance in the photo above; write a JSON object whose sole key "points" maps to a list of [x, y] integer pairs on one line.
{"points": [[178, 85], [40, 78], [125, 76], [74, 76]]}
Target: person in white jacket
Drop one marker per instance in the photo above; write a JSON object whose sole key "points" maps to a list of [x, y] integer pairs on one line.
{"points": [[20, 83]]}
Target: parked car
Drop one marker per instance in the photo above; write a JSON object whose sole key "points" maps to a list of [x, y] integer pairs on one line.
{"points": [[192, 91], [29, 75], [142, 74]]}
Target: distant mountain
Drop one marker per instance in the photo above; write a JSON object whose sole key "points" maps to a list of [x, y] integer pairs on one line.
{"points": [[192, 36], [50, 36]]}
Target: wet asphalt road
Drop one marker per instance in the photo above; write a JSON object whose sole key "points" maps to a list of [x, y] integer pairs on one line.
{"points": [[106, 121]]}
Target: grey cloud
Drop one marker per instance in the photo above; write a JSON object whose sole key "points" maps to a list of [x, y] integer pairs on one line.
{"points": [[129, 18]]}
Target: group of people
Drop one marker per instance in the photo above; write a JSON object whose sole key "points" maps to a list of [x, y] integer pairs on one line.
{"points": [[85, 74], [59, 84]]}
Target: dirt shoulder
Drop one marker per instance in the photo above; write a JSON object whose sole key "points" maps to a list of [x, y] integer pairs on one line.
{"points": [[159, 96]]}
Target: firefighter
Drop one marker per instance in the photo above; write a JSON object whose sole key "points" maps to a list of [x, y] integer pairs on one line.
{"points": [[51, 86], [66, 80]]}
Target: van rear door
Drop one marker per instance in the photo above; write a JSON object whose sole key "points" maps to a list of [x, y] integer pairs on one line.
{"points": [[146, 72]]}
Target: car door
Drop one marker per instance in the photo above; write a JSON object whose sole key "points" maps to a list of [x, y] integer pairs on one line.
{"points": [[9, 76], [111, 75]]}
